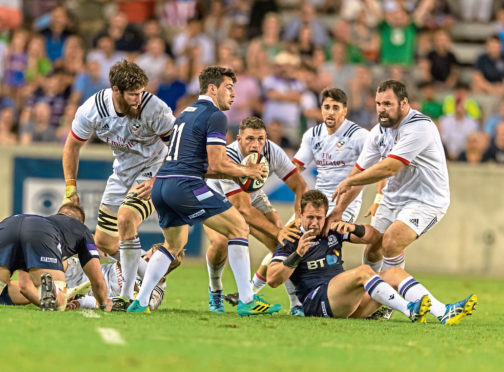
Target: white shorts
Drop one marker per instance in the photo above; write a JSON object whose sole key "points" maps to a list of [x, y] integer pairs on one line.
{"points": [[417, 216], [351, 212], [262, 203]]}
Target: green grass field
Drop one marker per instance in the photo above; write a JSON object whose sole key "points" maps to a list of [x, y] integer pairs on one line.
{"points": [[182, 335]]}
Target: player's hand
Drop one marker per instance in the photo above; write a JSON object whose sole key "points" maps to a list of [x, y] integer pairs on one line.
{"points": [[330, 220], [72, 304], [289, 232], [256, 171], [342, 188], [372, 210], [72, 199], [144, 189], [342, 227], [109, 305], [305, 242]]}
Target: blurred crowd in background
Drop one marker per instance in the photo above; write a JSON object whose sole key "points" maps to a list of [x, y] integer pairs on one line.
{"points": [[56, 54]]}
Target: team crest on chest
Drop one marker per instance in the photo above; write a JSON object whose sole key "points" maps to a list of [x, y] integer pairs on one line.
{"points": [[136, 126], [332, 241], [341, 142]]}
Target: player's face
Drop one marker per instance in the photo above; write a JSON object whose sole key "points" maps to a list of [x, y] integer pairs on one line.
{"points": [[388, 108], [251, 140], [225, 94], [129, 101], [313, 218], [333, 113]]}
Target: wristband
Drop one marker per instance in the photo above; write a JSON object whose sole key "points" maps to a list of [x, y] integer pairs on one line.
{"points": [[293, 260], [359, 231], [102, 307], [378, 198], [70, 187]]}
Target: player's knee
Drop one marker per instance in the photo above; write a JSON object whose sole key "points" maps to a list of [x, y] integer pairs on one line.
{"points": [[127, 228], [239, 230], [365, 272]]}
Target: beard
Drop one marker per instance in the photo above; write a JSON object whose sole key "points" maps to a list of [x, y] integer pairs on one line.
{"points": [[391, 121], [127, 109]]}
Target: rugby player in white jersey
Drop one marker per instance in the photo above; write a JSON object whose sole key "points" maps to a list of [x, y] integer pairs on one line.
{"points": [[133, 122], [405, 148], [264, 221]]}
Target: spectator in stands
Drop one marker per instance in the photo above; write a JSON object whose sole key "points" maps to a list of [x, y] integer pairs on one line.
{"points": [[283, 95], [309, 104], [364, 112], [126, 37], [152, 28], [338, 69], [171, 87], [7, 135], [264, 48], [66, 124], [259, 11], [476, 10], [494, 120], [38, 128], [304, 45], [217, 24], [106, 55], [153, 61], [226, 52], [462, 94], [307, 17], [443, 65], [16, 62], [495, 152], [56, 33], [365, 37], [87, 83], [455, 129], [475, 149], [274, 129], [174, 14], [429, 105], [489, 74], [72, 61], [193, 35], [440, 15], [38, 65]]}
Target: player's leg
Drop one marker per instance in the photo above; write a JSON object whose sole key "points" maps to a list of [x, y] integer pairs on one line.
{"points": [[27, 288], [5, 275], [51, 286], [216, 257], [412, 290], [373, 253], [107, 236], [395, 239]]}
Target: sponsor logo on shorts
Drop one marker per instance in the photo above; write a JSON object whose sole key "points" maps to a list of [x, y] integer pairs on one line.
{"points": [[414, 221], [48, 259], [324, 309], [148, 175], [197, 214]]}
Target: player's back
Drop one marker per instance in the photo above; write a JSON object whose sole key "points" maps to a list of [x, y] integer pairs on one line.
{"points": [[187, 155]]}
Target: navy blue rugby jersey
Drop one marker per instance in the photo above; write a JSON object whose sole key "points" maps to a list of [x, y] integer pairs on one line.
{"points": [[320, 264]]}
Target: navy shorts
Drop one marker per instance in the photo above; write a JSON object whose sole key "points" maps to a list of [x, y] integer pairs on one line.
{"points": [[186, 201], [316, 302], [4, 297], [28, 242]]}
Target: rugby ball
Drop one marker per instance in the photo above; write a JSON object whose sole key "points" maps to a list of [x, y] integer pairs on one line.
{"points": [[248, 184]]}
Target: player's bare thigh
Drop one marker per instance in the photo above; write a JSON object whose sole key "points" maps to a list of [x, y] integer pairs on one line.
{"points": [[175, 238], [5, 274], [229, 223], [397, 237]]}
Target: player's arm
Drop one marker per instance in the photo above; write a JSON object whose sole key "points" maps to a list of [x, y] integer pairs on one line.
{"points": [[297, 184], [93, 271], [282, 267], [378, 198], [359, 234], [220, 163], [70, 161]]}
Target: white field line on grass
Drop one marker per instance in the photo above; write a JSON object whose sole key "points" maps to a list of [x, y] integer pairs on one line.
{"points": [[111, 336], [88, 313]]}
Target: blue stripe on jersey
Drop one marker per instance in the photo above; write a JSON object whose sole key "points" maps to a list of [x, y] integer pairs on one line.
{"points": [[98, 103], [233, 156], [144, 103], [352, 131]]}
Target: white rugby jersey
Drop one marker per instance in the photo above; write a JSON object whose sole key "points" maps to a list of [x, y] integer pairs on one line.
{"points": [[136, 143], [279, 163], [75, 276], [417, 143], [334, 155]]}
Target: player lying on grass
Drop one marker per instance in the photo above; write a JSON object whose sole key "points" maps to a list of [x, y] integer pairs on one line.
{"points": [[256, 209], [37, 247], [314, 265]]}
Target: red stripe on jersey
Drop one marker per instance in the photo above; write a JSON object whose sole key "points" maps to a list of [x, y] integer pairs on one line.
{"points": [[289, 174], [165, 134], [77, 137], [399, 158], [298, 162], [359, 167], [234, 192]]}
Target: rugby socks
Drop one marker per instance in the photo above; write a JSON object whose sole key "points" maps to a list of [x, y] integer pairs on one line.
{"points": [[258, 282], [376, 266], [215, 275], [384, 294], [87, 302], [291, 291], [412, 290], [239, 260], [397, 261], [130, 251], [142, 267], [157, 267]]}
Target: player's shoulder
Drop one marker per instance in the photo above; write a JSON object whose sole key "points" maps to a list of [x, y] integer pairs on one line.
{"points": [[416, 119], [151, 106], [96, 106], [233, 152], [316, 131], [271, 149], [354, 130]]}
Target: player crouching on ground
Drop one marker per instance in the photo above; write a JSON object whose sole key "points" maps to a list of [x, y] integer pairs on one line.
{"points": [[314, 265], [37, 247]]}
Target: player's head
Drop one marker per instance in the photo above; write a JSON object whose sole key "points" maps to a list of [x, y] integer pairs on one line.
{"points": [[128, 82], [334, 107], [218, 83], [314, 207], [392, 103], [251, 136], [73, 210]]}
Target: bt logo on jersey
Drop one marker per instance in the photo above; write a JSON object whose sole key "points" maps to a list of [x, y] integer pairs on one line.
{"points": [[330, 259]]}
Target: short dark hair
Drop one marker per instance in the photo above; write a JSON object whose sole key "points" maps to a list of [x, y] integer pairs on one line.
{"points": [[127, 76], [315, 198], [74, 208], [336, 94], [397, 87], [252, 122], [214, 75]]}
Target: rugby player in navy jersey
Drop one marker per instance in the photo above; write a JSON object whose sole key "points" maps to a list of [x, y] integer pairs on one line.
{"points": [[197, 149], [36, 246], [314, 265]]}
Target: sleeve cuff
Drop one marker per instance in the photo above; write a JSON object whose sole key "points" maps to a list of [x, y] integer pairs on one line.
{"points": [[399, 158], [233, 192], [77, 137], [298, 162], [289, 174], [359, 167]]}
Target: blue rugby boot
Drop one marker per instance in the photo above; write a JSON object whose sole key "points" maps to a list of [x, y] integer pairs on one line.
{"points": [[419, 309], [297, 311], [457, 311], [215, 301], [135, 307], [258, 306]]}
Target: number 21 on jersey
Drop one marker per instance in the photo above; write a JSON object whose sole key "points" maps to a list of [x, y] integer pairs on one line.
{"points": [[173, 149]]}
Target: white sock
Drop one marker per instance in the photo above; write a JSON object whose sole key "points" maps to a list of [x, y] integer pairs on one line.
{"points": [[215, 275], [412, 290], [87, 302], [130, 251], [239, 260], [291, 291], [376, 266], [384, 294], [142, 267], [258, 282], [156, 269], [397, 261]]}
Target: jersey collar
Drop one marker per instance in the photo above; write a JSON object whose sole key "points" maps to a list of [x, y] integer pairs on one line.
{"points": [[204, 97]]}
